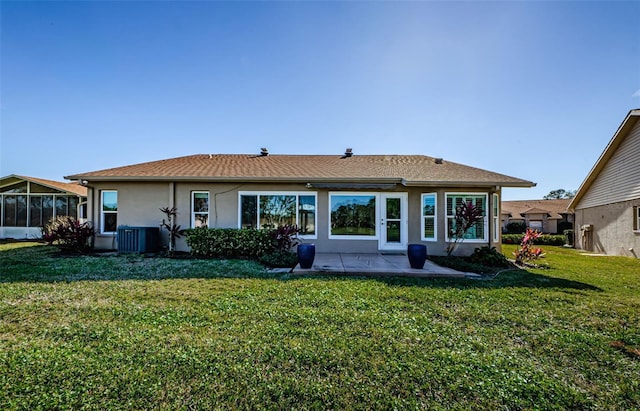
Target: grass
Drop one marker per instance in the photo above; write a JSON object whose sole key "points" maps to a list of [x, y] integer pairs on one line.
{"points": [[143, 333]]}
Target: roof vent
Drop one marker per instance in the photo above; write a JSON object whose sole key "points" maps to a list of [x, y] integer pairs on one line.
{"points": [[438, 160], [264, 152], [348, 152]]}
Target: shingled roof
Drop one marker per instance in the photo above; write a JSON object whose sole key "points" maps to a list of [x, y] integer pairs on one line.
{"points": [[402, 169], [73, 188], [518, 208]]}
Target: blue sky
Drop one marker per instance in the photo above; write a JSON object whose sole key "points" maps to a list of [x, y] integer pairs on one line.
{"points": [[530, 89]]}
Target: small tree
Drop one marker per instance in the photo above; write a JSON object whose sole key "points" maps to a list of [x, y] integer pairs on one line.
{"points": [[560, 193], [527, 252], [467, 216], [169, 224]]}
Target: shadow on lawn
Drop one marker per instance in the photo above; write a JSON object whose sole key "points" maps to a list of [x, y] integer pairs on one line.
{"points": [[43, 264], [510, 279]]}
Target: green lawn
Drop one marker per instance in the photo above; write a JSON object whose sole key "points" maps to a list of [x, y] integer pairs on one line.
{"points": [[143, 333]]}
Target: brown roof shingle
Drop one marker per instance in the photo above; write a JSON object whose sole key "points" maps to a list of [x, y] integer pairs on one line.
{"points": [[405, 169], [62, 186], [519, 207]]}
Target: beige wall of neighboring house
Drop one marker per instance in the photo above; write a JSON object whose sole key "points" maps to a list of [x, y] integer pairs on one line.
{"points": [[609, 229], [606, 204]]}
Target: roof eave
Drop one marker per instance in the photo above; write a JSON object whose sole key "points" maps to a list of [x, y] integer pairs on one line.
{"points": [[623, 130], [404, 182], [525, 184]]}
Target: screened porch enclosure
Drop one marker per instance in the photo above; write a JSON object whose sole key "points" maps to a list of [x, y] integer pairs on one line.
{"points": [[26, 206]]}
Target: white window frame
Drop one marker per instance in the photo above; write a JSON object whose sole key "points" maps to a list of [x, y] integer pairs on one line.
{"points": [[281, 193], [423, 217], [194, 213], [485, 238], [374, 237], [102, 212], [636, 219], [496, 218]]}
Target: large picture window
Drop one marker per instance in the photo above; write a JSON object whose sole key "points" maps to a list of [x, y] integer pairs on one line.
{"points": [[108, 212], [352, 215], [429, 217], [200, 209], [478, 233], [273, 210]]}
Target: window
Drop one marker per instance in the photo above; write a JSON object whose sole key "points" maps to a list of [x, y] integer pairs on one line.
{"points": [[108, 212], [35, 211], [535, 225], [636, 218], [47, 208], [479, 231], [62, 206], [10, 211], [429, 217], [199, 209], [73, 207], [496, 218], [272, 210], [352, 215]]}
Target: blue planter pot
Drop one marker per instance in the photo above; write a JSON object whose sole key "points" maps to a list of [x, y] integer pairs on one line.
{"points": [[306, 254], [417, 254]]}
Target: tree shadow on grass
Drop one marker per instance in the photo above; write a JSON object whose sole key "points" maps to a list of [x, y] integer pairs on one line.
{"points": [[43, 264]]}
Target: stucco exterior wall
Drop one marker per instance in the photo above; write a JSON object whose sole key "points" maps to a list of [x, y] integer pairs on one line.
{"points": [[612, 233], [139, 203]]}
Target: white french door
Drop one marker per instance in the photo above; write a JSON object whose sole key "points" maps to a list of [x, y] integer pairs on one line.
{"points": [[393, 221]]}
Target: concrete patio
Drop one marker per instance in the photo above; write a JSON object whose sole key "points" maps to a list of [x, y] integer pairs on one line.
{"points": [[377, 265]]}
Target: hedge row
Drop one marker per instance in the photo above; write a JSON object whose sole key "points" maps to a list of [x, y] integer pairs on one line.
{"points": [[230, 242], [545, 239]]}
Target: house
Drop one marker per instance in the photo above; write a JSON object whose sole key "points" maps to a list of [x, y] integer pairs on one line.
{"points": [[546, 216], [342, 203], [607, 204], [27, 203]]}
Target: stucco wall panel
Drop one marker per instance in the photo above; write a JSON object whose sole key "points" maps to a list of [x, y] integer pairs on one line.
{"points": [[139, 203], [612, 229]]}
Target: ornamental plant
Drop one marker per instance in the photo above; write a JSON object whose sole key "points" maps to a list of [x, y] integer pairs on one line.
{"points": [[466, 217], [527, 252], [69, 234], [169, 224]]}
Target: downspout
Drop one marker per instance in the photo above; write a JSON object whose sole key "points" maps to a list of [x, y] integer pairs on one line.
{"points": [[172, 194]]}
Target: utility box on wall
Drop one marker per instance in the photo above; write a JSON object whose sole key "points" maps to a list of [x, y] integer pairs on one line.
{"points": [[138, 239]]}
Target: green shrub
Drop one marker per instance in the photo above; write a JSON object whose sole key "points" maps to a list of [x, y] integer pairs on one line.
{"points": [[230, 242], [551, 239], [545, 239], [511, 238], [489, 257], [516, 227]]}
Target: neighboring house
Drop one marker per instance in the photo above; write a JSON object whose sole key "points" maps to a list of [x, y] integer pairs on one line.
{"points": [[342, 203], [27, 203], [547, 216], [607, 204]]}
